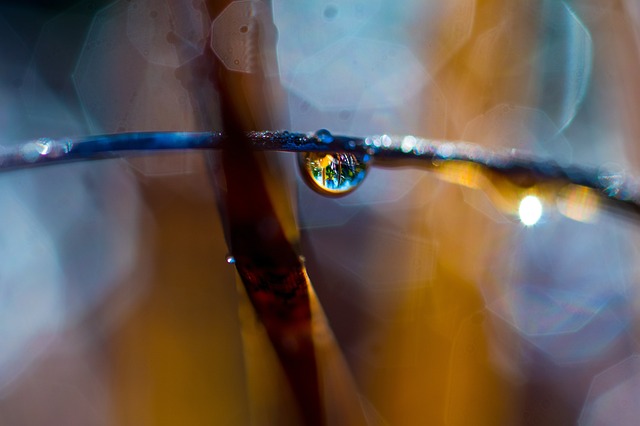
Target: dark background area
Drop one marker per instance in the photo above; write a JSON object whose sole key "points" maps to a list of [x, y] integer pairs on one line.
{"points": [[44, 39]]}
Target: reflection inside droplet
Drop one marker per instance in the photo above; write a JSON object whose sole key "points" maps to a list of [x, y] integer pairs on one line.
{"points": [[530, 210], [334, 173]]}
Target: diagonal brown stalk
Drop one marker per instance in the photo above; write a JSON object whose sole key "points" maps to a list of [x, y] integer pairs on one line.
{"points": [[274, 277]]}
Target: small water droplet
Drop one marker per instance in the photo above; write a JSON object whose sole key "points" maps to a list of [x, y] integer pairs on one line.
{"points": [[324, 136], [43, 146], [446, 150], [408, 144], [230, 259], [33, 150], [67, 146], [334, 173]]}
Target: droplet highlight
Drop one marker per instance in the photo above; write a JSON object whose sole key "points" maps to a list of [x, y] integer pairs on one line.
{"points": [[324, 136], [39, 148], [230, 259], [333, 174]]}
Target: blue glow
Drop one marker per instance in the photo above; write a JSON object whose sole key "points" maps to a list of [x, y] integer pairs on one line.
{"points": [[566, 63], [566, 288]]}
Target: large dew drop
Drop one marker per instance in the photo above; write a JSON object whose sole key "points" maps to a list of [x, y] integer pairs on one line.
{"points": [[334, 173]]}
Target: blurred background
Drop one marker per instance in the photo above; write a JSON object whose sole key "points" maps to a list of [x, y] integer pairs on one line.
{"points": [[117, 304]]}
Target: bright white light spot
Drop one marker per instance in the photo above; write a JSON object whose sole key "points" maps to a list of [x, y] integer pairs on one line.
{"points": [[446, 150], [408, 143], [43, 146], [530, 210]]}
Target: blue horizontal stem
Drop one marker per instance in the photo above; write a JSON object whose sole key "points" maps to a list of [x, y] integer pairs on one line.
{"points": [[384, 149]]}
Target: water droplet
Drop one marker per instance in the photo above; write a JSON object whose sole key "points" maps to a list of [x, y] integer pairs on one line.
{"points": [[43, 146], [446, 150], [230, 259], [33, 150], [408, 144], [67, 146], [334, 173], [324, 136]]}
